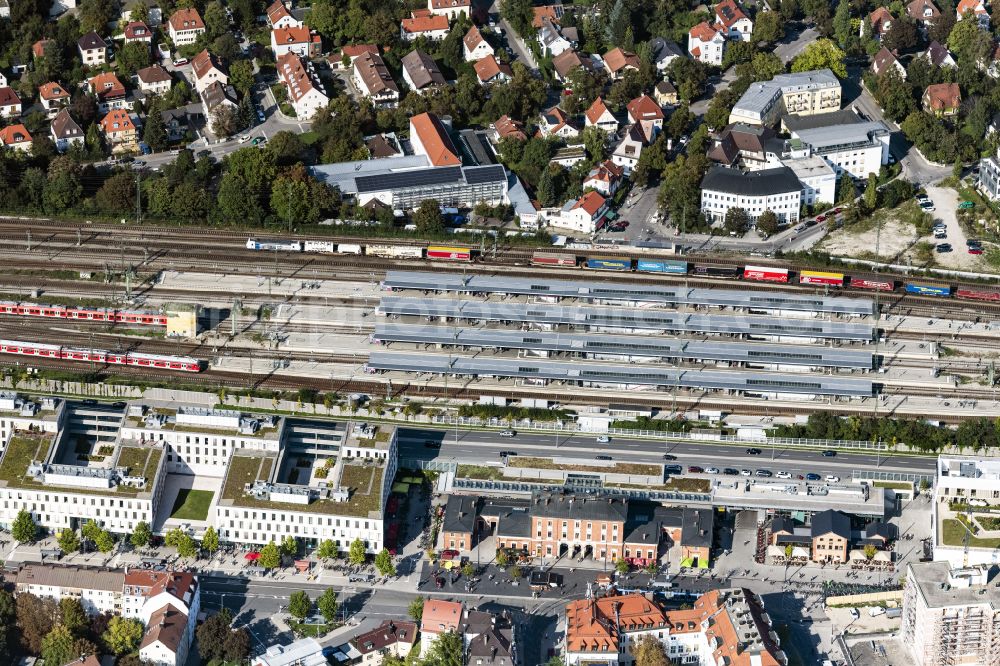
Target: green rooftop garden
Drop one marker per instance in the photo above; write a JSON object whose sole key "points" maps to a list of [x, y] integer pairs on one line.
{"points": [[23, 448]]}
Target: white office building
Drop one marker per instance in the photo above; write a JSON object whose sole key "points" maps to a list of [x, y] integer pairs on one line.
{"points": [[970, 480], [777, 190], [818, 179], [858, 148]]}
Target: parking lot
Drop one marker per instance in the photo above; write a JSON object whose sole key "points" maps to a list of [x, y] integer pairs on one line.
{"points": [[955, 252]]}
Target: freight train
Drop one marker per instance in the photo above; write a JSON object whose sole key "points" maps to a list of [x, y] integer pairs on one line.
{"points": [[80, 313], [135, 359], [432, 252]]}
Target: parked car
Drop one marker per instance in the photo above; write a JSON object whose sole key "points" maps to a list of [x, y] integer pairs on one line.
{"points": [[812, 477], [764, 472], [180, 62], [729, 471], [783, 475], [745, 472], [673, 469], [711, 470], [832, 478], [694, 469], [943, 248]]}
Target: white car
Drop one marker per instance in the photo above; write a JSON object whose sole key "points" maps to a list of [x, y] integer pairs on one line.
{"points": [[745, 472], [830, 478], [603, 439], [711, 470], [783, 475]]}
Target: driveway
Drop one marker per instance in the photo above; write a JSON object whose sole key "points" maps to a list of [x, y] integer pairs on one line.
{"points": [[794, 42], [521, 51]]}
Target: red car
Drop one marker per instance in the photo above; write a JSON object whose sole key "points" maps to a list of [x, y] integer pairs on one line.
{"points": [[820, 218], [694, 469], [837, 211], [975, 250]]}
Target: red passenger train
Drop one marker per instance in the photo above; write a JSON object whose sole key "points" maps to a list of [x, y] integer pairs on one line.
{"points": [[135, 359], [141, 317]]}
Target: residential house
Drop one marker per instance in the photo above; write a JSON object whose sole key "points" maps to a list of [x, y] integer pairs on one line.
{"points": [[5, 9], [10, 103], [218, 94], [831, 536], [491, 70], [98, 590], [665, 93], [617, 62], [976, 9], [279, 17], [939, 56], [747, 147], [886, 59], [488, 639], [392, 637], [137, 31], [421, 72], [777, 190], [84, 660], [3, 80], [154, 15], [449, 9], [598, 115], [506, 126], [732, 21], [16, 137], [555, 122], [373, 79], [351, 51], [880, 21], [164, 642], [176, 123], [65, 131], [110, 92], [585, 215], [154, 80], [474, 45], [295, 39], [646, 113], [38, 48], [119, 131], [564, 63], [439, 617], [93, 50], [629, 148], [664, 53], [706, 44], [429, 137], [423, 23], [605, 178], [184, 26], [52, 96], [305, 91], [303, 652], [551, 40], [208, 69], [553, 13], [942, 99], [923, 13]]}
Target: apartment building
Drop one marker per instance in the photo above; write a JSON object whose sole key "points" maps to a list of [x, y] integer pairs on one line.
{"points": [[374, 80], [98, 590], [951, 615], [299, 40], [207, 69], [706, 44], [392, 637], [305, 91], [184, 26], [777, 190], [802, 93], [450, 9]]}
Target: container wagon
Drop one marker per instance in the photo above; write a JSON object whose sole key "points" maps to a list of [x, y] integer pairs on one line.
{"points": [[928, 289], [727, 272], [608, 264], [448, 253], [877, 285], [348, 248], [553, 259], [394, 251], [821, 278], [978, 294], [320, 246], [765, 274], [661, 266]]}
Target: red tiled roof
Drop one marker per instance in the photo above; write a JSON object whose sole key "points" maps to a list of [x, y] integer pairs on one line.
{"points": [[52, 90], [119, 116], [8, 97], [644, 108], [439, 615], [974, 6], [591, 202], [728, 13], [943, 96], [596, 110], [291, 35], [879, 18], [552, 13], [488, 67], [507, 126], [277, 11], [38, 48], [14, 134], [106, 84], [186, 19], [138, 30], [451, 4], [616, 60], [473, 38], [434, 138], [418, 24], [703, 32]]}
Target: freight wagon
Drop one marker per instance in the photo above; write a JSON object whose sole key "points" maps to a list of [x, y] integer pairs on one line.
{"points": [[877, 285], [765, 274], [448, 253], [928, 289], [394, 251], [818, 277], [348, 248], [661, 266], [553, 259], [328, 247], [608, 264], [727, 272], [978, 294]]}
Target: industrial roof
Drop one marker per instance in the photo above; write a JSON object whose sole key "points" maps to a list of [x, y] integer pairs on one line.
{"points": [[625, 374], [606, 290], [428, 177], [839, 135], [647, 346], [625, 318]]}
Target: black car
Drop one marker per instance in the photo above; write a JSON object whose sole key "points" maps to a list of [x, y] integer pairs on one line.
{"points": [[673, 469], [764, 472], [432, 445], [829, 454], [753, 451], [505, 454], [668, 456], [729, 471], [602, 458], [812, 477], [203, 153]]}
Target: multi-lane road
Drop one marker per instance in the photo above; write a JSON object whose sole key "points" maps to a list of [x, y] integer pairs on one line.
{"points": [[482, 448]]}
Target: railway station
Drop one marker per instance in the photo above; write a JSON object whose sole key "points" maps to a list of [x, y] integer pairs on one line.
{"points": [[621, 347], [627, 319], [604, 291], [529, 371]]}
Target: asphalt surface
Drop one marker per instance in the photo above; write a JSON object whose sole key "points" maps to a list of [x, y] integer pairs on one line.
{"points": [[483, 448]]}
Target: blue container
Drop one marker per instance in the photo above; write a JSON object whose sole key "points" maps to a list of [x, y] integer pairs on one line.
{"points": [[610, 264], [927, 289], [661, 266]]}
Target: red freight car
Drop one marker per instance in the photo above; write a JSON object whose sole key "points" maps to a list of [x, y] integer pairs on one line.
{"points": [[553, 259], [877, 285], [978, 294], [765, 274]]}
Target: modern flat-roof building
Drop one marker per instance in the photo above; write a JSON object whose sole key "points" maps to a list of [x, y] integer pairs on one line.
{"points": [[803, 93], [951, 615], [777, 190], [972, 480], [859, 149]]}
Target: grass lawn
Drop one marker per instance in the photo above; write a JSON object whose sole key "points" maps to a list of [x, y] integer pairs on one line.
{"points": [[192, 504], [953, 533]]}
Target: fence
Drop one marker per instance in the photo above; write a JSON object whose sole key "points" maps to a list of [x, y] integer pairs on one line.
{"points": [[428, 465], [903, 477], [526, 487]]}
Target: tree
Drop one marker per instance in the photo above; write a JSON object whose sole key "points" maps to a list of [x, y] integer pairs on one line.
{"points": [[225, 121], [692, 75], [270, 556], [289, 546], [182, 541], [290, 201], [821, 54], [210, 541], [35, 619], [429, 220], [358, 552], [94, 15], [680, 191], [117, 194], [286, 147], [241, 76], [546, 190], [515, 572], [902, 35], [649, 652], [870, 197], [142, 535], [57, 646], [768, 27], [68, 541], [132, 57], [416, 609], [446, 650], [468, 570], [736, 221], [123, 634], [894, 95], [327, 604], [236, 648], [327, 550], [845, 188], [618, 23], [216, 21], [24, 528], [299, 604], [155, 132], [502, 558], [843, 28], [73, 616], [384, 563], [212, 635], [942, 26], [767, 223], [622, 566], [8, 623]]}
